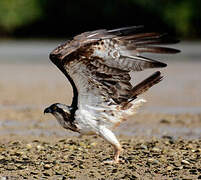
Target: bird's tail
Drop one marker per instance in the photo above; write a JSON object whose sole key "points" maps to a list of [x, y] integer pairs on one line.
{"points": [[146, 84], [143, 87]]}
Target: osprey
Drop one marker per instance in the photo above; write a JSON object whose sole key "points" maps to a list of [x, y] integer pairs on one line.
{"points": [[97, 64]]}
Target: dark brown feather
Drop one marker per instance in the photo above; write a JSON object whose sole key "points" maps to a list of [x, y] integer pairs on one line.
{"points": [[163, 41], [142, 87], [160, 50], [125, 30], [141, 36], [146, 84]]}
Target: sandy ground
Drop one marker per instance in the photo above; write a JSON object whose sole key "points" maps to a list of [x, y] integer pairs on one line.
{"points": [[161, 142]]}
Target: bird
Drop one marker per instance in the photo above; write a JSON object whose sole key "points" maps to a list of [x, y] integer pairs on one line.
{"points": [[97, 64]]}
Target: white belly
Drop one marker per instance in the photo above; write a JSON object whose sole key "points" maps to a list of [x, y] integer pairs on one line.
{"points": [[86, 122]]}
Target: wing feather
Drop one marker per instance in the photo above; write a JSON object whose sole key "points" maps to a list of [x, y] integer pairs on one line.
{"points": [[125, 30], [103, 59], [160, 50]]}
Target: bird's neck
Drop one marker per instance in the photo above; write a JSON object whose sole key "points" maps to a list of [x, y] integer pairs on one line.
{"points": [[73, 109]]}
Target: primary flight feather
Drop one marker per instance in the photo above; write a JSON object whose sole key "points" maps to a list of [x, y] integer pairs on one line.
{"points": [[97, 64]]}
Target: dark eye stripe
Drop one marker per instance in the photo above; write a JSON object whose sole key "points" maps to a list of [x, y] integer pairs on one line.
{"points": [[60, 111]]}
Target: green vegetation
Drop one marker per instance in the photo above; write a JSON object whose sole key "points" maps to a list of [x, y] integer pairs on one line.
{"points": [[16, 13], [182, 15], [41, 17]]}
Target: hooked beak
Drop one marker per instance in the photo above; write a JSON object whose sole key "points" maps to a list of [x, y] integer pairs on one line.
{"points": [[47, 110]]}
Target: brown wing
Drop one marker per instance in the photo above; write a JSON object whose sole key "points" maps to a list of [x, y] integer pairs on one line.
{"points": [[98, 63]]}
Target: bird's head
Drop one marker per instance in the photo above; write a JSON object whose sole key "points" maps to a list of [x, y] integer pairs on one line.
{"points": [[59, 110]]}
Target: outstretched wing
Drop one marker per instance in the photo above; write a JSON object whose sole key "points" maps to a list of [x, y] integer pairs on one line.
{"points": [[98, 63]]}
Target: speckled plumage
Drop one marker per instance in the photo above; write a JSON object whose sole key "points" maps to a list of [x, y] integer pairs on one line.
{"points": [[97, 64]]}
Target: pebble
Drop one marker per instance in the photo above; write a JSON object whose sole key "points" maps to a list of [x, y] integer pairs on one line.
{"points": [[28, 146], [24, 157], [169, 168], [156, 150], [47, 166], [34, 172], [20, 166], [39, 147], [152, 161], [59, 172], [2, 157], [93, 144], [19, 153], [46, 174], [66, 158], [143, 146], [185, 162]]}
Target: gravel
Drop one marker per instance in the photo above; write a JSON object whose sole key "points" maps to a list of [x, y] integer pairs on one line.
{"points": [[82, 158]]}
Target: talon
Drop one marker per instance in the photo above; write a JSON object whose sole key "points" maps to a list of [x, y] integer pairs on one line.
{"points": [[110, 162], [113, 161]]}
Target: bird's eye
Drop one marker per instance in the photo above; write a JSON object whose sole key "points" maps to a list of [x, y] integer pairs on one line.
{"points": [[54, 108]]}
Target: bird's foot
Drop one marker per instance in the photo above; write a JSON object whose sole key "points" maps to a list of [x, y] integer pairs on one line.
{"points": [[114, 161], [110, 162]]}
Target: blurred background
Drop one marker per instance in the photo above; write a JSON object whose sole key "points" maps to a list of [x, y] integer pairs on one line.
{"points": [[30, 29], [53, 19]]}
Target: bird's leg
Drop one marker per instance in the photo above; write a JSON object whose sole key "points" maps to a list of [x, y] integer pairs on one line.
{"points": [[117, 150], [109, 136]]}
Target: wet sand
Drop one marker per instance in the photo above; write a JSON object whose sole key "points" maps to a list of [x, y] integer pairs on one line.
{"points": [[161, 142]]}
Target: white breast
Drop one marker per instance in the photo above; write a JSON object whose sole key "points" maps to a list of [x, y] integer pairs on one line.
{"points": [[91, 118], [86, 122]]}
